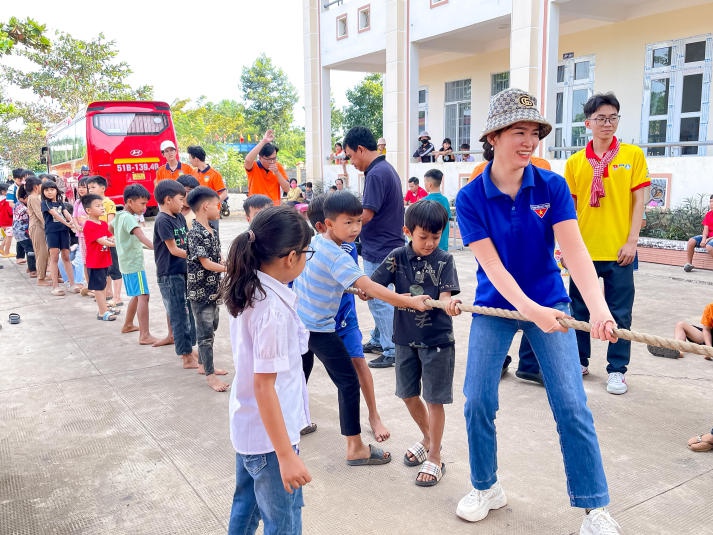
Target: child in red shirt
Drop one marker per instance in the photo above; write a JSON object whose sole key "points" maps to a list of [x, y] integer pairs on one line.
{"points": [[98, 239]]}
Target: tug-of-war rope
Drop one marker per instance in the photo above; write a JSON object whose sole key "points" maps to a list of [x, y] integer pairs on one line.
{"points": [[570, 323]]}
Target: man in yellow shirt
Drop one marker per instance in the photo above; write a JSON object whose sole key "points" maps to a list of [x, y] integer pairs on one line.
{"points": [[607, 181]]}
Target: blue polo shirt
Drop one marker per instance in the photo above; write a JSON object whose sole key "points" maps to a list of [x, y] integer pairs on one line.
{"points": [[521, 231], [383, 196], [443, 201]]}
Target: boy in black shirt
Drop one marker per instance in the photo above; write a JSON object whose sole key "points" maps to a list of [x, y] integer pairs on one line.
{"points": [[169, 244], [425, 351], [204, 269]]}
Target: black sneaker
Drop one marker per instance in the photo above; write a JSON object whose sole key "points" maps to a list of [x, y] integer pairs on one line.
{"points": [[382, 362], [372, 348], [527, 376]]}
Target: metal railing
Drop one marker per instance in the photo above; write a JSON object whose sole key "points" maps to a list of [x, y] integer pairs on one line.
{"points": [[668, 147], [327, 5]]}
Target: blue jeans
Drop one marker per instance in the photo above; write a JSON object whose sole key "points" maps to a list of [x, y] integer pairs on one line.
{"points": [[259, 494], [173, 295], [619, 295], [383, 314], [490, 338], [205, 316]]}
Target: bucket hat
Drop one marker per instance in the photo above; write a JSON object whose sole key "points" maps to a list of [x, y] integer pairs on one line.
{"points": [[424, 134], [513, 106]]}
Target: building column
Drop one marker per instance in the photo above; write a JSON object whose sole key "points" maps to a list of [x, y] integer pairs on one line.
{"points": [[397, 91], [526, 45], [551, 62], [317, 92]]}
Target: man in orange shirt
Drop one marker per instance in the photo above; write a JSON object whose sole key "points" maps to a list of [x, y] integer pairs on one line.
{"points": [[173, 168], [265, 175], [205, 174]]}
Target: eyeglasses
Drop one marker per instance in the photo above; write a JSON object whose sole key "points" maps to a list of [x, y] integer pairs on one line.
{"points": [[309, 253], [273, 159], [601, 120]]}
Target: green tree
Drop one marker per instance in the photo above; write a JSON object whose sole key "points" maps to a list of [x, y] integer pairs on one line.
{"points": [[73, 73], [337, 119], [366, 105], [18, 32], [269, 97]]}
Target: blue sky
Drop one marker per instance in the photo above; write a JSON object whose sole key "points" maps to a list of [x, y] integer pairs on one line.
{"points": [[189, 49]]}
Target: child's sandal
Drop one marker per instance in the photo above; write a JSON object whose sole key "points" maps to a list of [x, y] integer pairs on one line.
{"points": [[107, 316]]}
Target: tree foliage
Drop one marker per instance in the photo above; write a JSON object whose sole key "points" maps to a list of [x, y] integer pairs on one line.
{"points": [[18, 32], [269, 97], [366, 105], [75, 72]]}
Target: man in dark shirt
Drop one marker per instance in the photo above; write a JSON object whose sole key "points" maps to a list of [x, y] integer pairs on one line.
{"points": [[382, 231], [425, 153]]}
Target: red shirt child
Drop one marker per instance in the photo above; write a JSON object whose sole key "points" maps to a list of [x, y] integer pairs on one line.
{"points": [[98, 256]]}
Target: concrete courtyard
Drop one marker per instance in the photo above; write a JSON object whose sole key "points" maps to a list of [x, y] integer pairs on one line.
{"points": [[101, 435]]}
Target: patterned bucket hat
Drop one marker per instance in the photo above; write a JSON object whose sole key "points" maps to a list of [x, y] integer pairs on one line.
{"points": [[513, 106]]}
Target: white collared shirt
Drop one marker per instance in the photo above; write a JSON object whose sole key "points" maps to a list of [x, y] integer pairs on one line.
{"points": [[268, 337]]}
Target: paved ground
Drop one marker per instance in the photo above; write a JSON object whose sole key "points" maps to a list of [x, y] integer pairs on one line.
{"points": [[100, 435]]}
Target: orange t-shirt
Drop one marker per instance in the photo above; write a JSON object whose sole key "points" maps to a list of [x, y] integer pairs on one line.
{"points": [[263, 181], [211, 178], [707, 319], [534, 160], [163, 172]]}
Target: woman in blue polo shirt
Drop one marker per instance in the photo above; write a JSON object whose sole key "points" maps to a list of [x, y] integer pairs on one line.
{"points": [[509, 217]]}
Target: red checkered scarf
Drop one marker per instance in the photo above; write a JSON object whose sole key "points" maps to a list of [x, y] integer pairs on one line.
{"points": [[600, 166]]}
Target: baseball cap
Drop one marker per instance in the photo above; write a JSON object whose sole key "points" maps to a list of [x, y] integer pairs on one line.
{"points": [[85, 168], [513, 106], [168, 144]]}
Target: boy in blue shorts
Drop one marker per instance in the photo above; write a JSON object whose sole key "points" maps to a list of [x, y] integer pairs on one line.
{"points": [[347, 327], [425, 346], [319, 290], [130, 241]]}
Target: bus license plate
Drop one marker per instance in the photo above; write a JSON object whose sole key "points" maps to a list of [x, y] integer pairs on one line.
{"points": [[139, 176]]}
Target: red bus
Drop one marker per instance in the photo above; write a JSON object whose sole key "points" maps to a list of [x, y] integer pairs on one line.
{"points": [[118, 140]]}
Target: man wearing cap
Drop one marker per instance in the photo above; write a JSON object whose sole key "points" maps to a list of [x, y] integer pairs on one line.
{"points": [[381, 146], [266, 176], [173, 168], [382, 231], [205, 174], [425, 150]]}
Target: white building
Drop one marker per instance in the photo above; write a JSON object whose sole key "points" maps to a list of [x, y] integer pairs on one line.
{"points": [[443, 59]]}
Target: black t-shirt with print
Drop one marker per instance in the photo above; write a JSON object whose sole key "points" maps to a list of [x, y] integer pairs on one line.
{"points": [[168, 227], [203, 284], [420, 275]]}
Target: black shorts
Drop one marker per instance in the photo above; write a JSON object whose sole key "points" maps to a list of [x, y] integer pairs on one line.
{"points": [[113, 270], [97, 278], [58, 240]]}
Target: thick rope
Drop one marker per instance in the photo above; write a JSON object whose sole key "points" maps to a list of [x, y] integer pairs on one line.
{"points": [[570, 323]]}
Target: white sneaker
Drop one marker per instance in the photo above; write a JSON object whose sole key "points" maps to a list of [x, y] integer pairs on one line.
{"points": [[599, 522], [617, 384], [585, 370], [476, 504]]}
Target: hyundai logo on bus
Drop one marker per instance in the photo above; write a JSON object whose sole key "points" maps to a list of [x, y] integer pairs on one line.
{"points": [[136, 152]]}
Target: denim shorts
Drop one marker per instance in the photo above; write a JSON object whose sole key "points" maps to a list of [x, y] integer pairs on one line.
{"points": [[698, 239], [432, 366]]}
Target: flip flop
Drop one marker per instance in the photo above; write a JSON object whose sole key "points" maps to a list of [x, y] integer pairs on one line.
{"points": [[14, 318], [698, 444], [57, 292], [418, 451], [432, 470], [107, 316], [311, 428], [664, 352], [376, 456]]}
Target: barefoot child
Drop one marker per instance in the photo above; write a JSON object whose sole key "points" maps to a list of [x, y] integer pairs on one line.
{"points": [[169, 244], [204, 269], [130, 242], [425, 350], [98, 239], [347, 327], [319, 289], [268, 400], [687, 332], [58, 224]]}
